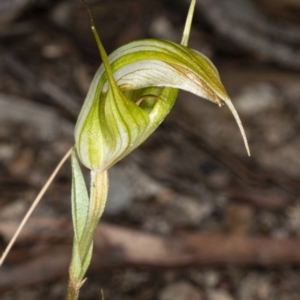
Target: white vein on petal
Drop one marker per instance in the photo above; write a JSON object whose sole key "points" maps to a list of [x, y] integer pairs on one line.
{"points": [[88, 102], [149, 73], [145, 45]]}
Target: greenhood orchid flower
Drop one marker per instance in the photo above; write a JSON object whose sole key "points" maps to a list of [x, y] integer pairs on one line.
{"points": [[121, 111], [134, 90]]}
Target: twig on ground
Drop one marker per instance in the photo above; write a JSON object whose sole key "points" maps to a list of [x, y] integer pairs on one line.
{"points": [[116, 247]]}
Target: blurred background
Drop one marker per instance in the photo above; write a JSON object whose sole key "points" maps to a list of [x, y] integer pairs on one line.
{"points": [[189, 215]]}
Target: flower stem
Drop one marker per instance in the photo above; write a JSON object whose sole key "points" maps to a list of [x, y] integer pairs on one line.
{"points": [[82, 247], [98, 197], [73, 291]]}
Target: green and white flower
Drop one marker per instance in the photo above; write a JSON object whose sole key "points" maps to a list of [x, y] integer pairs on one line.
{"points": [[121, 111]]}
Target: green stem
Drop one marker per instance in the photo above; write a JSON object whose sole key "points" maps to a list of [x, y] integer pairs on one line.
{"points": [[188, 24], [73, 290], [98, 196]]}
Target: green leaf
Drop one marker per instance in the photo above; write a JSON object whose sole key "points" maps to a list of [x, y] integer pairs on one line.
{"points": [[76, 263], [86, 261], [80, 198], [80, 207]]}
